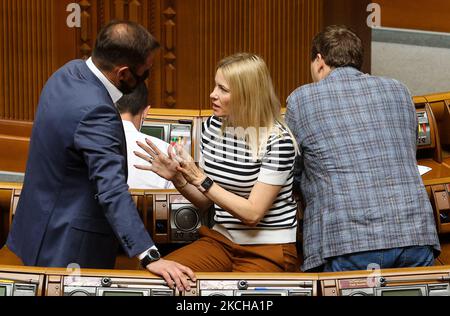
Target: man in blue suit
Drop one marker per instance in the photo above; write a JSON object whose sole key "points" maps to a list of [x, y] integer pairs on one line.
{"points": [[365, 202], [75, 206]]}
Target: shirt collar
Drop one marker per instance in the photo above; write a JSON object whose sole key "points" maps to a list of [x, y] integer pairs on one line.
{"points": [[129, 125], [339, 71], [112, 89]]}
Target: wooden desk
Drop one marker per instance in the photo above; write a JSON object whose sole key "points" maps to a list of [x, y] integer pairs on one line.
{"points": [[447, 161], [440, 173], [6, 192]]}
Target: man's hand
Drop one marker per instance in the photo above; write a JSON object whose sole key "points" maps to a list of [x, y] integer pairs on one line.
{"points": [[173, 273]]}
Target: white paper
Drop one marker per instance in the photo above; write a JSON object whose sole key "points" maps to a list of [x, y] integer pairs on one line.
{"points": [[423, 170]]}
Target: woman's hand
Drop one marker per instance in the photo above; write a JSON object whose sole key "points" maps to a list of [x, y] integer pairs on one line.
{"points": [[163, 165], [187, 167], [191, 173]]}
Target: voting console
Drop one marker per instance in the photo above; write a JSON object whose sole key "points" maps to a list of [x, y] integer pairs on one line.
{"points": [[25, 281], [181, 127], [141, 283], [249, 284], [18, 281], [400, 282], [175, 219], [433, 112]]}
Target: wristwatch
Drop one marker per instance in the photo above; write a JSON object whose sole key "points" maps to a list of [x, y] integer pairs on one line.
{"points": [[151, 256], [206, 185]]}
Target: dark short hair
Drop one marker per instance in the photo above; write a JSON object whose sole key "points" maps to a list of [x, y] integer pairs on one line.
{"points": [[134, 102], [123, 43], [339, 47]]}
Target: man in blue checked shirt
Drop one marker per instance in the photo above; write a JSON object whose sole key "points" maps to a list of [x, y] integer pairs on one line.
{"points": [[365, 203]]}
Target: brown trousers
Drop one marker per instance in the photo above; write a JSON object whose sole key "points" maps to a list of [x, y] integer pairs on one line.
{"points": [[9, 258], [213, 252]]}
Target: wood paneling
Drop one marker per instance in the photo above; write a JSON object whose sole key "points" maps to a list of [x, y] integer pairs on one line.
{"points": [[16, 128], [352, 13], [31, 32], [13, 153], [14, 144], [196, 34], [26, 54], [279, 31], [430, 15]]}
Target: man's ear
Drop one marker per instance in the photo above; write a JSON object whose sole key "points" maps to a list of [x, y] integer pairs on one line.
{"points": [[320, 61], [145, 113], [122, 73]]}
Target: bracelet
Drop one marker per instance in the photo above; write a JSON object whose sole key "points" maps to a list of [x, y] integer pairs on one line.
{"points": [[182, 187]]}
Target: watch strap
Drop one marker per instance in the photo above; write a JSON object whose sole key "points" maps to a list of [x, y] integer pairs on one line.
{"points": [[151, 256]]}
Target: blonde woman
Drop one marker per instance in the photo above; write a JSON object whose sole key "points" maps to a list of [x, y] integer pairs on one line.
{"points": [[246, 174]]}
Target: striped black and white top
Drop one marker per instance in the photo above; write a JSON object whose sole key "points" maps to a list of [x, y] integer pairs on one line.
{"points": [[228, 161]]}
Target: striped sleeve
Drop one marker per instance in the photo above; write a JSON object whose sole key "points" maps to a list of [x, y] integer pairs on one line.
{"points": [[278, 161]]}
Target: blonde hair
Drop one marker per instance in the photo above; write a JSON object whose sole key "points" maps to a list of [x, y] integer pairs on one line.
{"points": [[254, 106]]}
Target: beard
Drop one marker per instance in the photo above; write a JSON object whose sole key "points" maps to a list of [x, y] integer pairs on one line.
{"points": [[125, 88]]}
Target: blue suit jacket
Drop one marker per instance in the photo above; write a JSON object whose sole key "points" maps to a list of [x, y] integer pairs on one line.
{"points": [[75, 206], [357, 168]]}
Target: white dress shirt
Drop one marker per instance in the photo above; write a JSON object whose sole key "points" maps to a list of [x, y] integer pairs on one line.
{"points": [[141, 179], [112, 89]]}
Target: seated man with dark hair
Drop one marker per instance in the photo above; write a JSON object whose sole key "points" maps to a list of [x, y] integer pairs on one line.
{"points": [[133, 109]]}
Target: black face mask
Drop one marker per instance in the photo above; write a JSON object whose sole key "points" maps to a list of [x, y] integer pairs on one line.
{"points": [[125, 88]]}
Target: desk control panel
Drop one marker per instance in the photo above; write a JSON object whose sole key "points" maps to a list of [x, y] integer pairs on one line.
{"points": [[26, 281], [228, 284], [106, 286], [424, 129], [11, 288], [176, 220], [441, 202], [391, 284], [20, 284], [140, 283]]}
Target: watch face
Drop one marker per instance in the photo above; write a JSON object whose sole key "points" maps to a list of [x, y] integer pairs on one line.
{"points": [[207, 183], [154, 254]]}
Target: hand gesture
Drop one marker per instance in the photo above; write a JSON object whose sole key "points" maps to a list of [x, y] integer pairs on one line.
{"points": [[191, 173], [181, 154], [173, 273], [163, 165]]}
